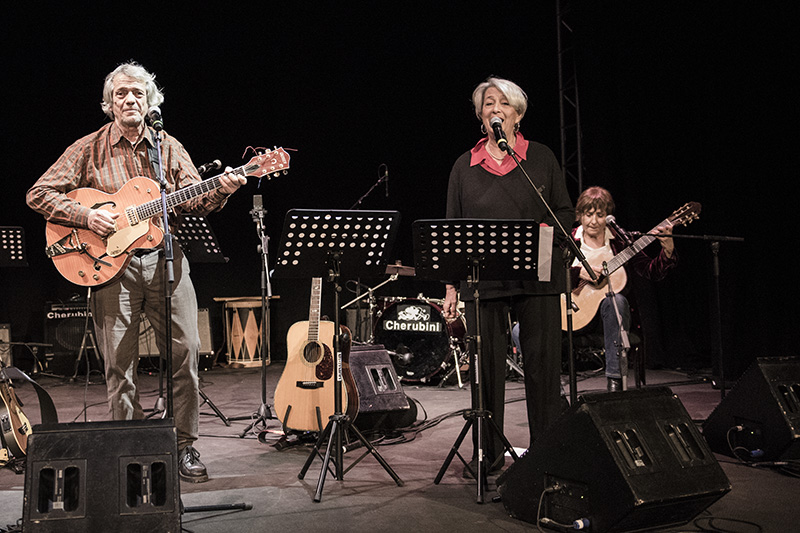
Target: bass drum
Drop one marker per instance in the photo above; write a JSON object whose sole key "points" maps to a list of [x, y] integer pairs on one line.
{"points": [[418, 337]]}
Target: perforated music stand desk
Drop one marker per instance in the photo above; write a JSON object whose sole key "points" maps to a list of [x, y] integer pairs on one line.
{"points": [[363, 240], [12, 247], [444, 249], [324, 244], [198, 241], [475, 250]]}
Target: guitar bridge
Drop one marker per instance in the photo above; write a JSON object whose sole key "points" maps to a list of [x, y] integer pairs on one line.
{"points": [[310, 384]]}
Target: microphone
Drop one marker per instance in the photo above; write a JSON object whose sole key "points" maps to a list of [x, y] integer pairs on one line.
{"points": [[499, 135], [214, 165], [386, 181], [154, 114], [611, 221]]}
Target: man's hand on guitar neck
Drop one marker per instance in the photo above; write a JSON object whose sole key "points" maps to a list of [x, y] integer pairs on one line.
{"points": [[230, 181], [102, 222]]}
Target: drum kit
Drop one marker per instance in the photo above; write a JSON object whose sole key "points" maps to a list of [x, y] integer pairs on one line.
{"points": [[424, 346]]}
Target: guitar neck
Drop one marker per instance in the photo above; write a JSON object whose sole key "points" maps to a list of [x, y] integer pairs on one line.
{"points": [[625, 255], [314, 309], [183, 195]]}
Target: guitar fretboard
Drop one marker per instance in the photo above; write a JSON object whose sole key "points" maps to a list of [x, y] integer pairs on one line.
{"points": [[183, 195], [639, 245], [314, 309]]}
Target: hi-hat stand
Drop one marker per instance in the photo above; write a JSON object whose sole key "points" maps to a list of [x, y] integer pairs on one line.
{"points": [[475, 250], [324, 244]]}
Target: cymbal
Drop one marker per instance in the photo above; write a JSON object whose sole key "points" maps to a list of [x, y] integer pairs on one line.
{"points": [[400, 270]]}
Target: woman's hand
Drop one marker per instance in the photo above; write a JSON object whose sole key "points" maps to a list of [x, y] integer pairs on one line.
{"points": [[450, 306]]}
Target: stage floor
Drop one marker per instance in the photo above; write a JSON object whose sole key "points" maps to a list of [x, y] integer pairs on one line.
{"points": [[252, 470]]}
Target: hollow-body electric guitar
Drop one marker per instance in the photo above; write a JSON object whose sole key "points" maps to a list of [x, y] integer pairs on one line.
{"points": [[304, 396], [587, 296], [14, 424], [87, 259]]}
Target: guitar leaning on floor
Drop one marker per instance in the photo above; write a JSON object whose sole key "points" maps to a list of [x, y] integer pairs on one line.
{"points": [[304, 396], [87, 259], [586, 297], [14, 424]]}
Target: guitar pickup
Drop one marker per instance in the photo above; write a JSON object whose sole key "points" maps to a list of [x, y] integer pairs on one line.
{"points": [[310, 384]]}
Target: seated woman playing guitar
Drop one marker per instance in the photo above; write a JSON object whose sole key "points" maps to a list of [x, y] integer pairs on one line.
{"points": [[600, 243]]}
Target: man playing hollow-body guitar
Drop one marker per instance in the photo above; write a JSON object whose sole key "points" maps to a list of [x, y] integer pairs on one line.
{"points": [[106, 160]]}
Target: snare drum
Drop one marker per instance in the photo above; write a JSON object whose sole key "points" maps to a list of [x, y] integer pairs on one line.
{"points": [[418, 337]]}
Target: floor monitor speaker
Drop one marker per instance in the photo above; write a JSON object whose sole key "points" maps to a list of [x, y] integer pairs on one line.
{"points": [[102, 476], [381, 400], [623, 461], [759, 418]]}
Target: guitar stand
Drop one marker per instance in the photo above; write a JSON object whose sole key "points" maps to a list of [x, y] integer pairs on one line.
{"points": [[341, 235]]}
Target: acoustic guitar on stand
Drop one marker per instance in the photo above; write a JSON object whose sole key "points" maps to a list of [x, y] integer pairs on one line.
{"points": [[304, 396], [587, 296], [85, 258]]}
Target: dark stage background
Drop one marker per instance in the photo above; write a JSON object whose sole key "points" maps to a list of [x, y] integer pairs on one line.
{"points": [[686, 101]]}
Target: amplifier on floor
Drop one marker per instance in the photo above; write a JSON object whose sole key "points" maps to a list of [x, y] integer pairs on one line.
{"points": [[148, 347], [102, 476], [760, 415], [381, 400], [626, 461], [65, 326]]}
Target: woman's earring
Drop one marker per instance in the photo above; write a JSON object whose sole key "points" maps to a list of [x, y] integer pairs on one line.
{"points": [[483, 129], [516, 127]]}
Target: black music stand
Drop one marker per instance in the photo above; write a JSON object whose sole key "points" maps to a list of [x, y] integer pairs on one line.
{"points": [[323, 243], [12, 247], [475, 250], [198, 242]]}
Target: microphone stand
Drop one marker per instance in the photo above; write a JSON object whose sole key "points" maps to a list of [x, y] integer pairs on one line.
{"points": [[168, 270], [264, 412], [715, 241], [370, 295], [383, 179], [624, 344], [503, 144]]}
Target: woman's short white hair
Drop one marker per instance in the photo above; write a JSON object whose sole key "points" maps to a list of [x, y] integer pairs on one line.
{"points": [[516, 96], [140, 74]]}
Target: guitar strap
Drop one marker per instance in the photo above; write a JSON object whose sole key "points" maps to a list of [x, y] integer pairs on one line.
{"points": [[152, 155], [46, 406]]}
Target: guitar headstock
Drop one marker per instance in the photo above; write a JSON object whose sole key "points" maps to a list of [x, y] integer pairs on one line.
{"points": [[270, 164], [686, 214]]}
